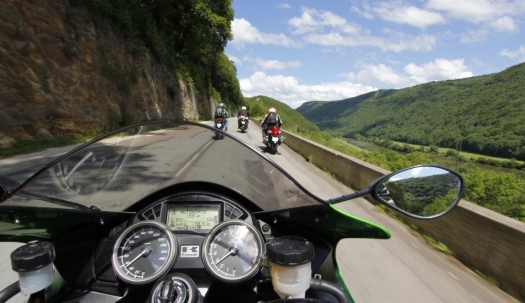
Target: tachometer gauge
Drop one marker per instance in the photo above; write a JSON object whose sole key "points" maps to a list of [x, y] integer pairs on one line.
{"points": [[144, 252], [233, 251]]}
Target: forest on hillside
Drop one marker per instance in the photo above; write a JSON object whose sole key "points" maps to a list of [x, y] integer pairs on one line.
{"points": [[188, 36], [482, 114]]}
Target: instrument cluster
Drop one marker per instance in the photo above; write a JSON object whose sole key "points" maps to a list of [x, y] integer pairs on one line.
{"points": [[190, 233]]}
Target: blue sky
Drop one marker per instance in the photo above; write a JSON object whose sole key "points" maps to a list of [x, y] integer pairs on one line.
{"points": [[315, 50]]}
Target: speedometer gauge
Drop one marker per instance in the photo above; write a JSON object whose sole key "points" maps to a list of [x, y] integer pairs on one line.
{"points": [[144, 252], [90, 170], [233, 251]]}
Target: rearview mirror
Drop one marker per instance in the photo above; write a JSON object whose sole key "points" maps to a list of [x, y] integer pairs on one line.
{"points": [[422, 192]]}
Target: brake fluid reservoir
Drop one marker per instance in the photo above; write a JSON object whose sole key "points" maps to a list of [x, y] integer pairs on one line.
{"points": [[290, 265], [34, 264]]}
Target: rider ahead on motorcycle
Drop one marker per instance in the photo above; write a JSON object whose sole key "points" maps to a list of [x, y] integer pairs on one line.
{"points": [[243, 112], [271, 119], [221, 112]]}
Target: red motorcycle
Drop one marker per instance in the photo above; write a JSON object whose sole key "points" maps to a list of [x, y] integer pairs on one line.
{"points": [[274, 139], [219, 124]]}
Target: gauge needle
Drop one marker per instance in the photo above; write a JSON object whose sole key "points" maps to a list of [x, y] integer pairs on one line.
{"points": [[143, 253], [233, 251]]}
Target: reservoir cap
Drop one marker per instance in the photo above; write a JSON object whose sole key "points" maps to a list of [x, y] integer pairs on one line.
{"points": [[32, 256], [290, 250]]}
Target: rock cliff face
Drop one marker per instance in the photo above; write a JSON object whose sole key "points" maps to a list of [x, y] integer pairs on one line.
{"points": [[62, 75]]}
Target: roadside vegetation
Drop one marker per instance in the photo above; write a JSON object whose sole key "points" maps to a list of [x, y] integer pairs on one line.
{"points": [[500, 191], [188, 36], [454, 154]]}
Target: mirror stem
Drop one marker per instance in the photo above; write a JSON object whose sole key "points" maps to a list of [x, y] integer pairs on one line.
{"points": [[357, 194]]}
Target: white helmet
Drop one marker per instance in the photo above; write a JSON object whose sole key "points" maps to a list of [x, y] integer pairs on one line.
{"points": [[244, 107], [221, 104], [272, 110]]}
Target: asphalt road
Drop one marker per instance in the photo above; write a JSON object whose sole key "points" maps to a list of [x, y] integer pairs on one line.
{"points": [[402, 269]]}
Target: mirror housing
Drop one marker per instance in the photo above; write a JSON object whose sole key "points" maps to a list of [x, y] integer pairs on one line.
{"points": [[421, 192]]}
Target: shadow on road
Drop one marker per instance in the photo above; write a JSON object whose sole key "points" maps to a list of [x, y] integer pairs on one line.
{"points": [[264, 150]]}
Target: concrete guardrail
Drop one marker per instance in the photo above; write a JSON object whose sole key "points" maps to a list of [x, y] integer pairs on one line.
{"points": [[485, 241]]}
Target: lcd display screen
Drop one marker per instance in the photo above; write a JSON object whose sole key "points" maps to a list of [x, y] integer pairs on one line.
{"points": [[193, 217]]}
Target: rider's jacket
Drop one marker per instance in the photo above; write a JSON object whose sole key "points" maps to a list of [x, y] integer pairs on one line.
{"points": [[243, 112], [221, 112], [265, 120]]}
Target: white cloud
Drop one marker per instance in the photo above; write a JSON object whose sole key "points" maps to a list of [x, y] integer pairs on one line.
{"points": [[416, 171], [440, 69], [283, 5], [244, 32], [386, 77], [496, 15], [504, 24], [480, 35], [288, 89], [365, 14], [381, 75], [518, 54], [477, 11], [275, 64], [304, 24], [313, 20], [396, 42], [262, 64], [312, 24], [399, 13], [234, 59]]}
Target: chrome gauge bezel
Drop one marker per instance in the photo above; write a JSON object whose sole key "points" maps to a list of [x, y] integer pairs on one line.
{"points": [[255, 267], [172, 254]]}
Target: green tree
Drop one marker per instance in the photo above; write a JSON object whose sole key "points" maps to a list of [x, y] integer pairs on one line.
{"points": [[440, 204], [224, 79], [187, 35]]}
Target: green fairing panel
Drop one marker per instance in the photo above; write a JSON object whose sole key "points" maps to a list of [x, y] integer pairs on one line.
{"points": [[377, 230], [328, 223], [342, 282], [345, 217], [50, 223]]}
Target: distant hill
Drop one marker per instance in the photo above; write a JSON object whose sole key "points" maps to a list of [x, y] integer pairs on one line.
{"points": [[292, 120], [486, 114]]}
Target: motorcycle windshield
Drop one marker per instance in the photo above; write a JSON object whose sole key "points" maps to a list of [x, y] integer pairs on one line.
{"points": [[115, 171]]}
